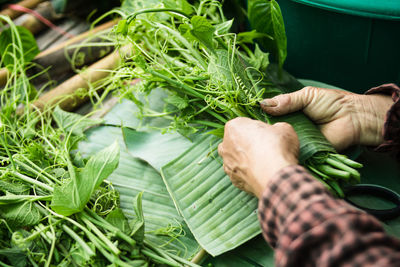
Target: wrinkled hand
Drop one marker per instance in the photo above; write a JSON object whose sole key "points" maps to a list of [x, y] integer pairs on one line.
{"points": [[344, 118], [254, 151]]}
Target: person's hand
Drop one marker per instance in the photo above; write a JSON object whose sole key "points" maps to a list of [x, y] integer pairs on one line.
{"points": [[254, 151], [344, 118]]}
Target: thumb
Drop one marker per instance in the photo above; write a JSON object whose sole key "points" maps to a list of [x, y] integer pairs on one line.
{"points": [[288, 103]]}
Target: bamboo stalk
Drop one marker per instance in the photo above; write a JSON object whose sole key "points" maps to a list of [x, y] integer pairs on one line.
{"points": [[3, 76], [65, 95], [55, 51], [78, 38], [199, 256], [32, 23], [15, 13]]}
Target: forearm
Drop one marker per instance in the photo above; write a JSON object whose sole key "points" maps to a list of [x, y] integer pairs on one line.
{"points": [[391, 129], [307, 226]]}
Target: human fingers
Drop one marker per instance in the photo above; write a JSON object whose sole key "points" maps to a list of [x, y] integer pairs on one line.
{"points": [[288, 103], [220, 149]]}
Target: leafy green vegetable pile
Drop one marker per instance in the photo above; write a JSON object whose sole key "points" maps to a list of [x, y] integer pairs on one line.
{"points": [[56, 207]]}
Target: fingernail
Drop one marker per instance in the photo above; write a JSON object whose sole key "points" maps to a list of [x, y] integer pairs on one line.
{"points": [[269, 103]]}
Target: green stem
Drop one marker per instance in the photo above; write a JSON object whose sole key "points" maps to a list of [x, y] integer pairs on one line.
{"points": [[324, 182], [100, 246], [102, 237], [159, 259], [170, 60], [332, 172], [79, 240], [52, 246], [212, 113], [159, 251], [96, 219], [185, 42], [317, 172], [184, 261], [32, 181], [336, 163], [8, 154], [181, 85], [38, 174], [336, 187], [154, 10], [40, 171], [347, 161], [208, 123], [170, 255]]}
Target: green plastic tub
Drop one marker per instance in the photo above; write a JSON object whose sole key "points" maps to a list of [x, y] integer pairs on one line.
{"points": [[353, 44]]}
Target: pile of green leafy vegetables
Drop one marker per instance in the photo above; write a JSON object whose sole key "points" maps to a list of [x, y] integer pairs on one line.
{"points": [[56, 207]]}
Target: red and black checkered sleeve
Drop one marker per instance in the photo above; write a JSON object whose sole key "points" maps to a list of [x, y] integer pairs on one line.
{"points": [[307, 226], [391, 128]]}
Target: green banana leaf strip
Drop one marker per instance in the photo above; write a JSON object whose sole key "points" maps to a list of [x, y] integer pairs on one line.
{"points": [[127, 113], [220, 216], [155, 148], [133, 176], [256, 252], [312, 142]]}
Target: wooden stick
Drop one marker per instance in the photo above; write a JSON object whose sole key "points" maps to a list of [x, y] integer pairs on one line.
{"points": [[32, 23], [58, 49], [3, 76], [65, 95], [15, 13], [78, 38]]}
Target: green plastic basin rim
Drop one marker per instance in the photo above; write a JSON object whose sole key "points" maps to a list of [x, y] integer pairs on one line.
{"points": [[383, 9]]}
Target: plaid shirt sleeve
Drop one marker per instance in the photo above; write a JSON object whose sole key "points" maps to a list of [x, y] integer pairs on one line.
{"points": [[391, 129], [308, 227]]}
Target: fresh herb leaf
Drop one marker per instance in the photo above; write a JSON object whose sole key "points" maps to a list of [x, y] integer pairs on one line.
{"points": [[72, 122], [137, 224], [224, 27], [265, 16], [21, 214], [203, 31], [72, 196], [14, 199], [177, 101], [14, 188], [260, 61], [249, 37], [179, 4], [117, 218], [8, 39], [16, 256]]}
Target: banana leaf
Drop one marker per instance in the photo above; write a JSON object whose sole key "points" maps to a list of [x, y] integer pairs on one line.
{"points": [[132, 176], [220, 216], [128, 114], [155, 148], [253, 253]]}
